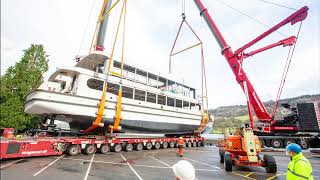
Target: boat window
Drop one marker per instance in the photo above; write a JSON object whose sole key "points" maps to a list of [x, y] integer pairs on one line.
{"points": [[112, 88], [141, 76], [178, 103], [151, 97], [185, 105], [170, 101], [127, 92], [95, 84], [139, 95], [162, 100]]}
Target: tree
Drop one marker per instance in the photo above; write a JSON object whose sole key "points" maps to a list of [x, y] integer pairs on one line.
{"points": [[17, 82]]}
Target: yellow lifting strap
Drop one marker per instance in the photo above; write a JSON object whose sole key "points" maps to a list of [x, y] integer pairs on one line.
{"points": [[98, 120], [117, 117]]}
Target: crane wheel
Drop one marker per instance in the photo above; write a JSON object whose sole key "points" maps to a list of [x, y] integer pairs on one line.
{"points": [[148, 146], [117, 148], [138, 147], [203, 144], [90, 149], [270, 164], [165, 145], [129, 147], [276, 143], [263, 144], [288, 141], [73, 150], [172, 144], [221, 154], [198, 144], [104, 149], [227, 162]]}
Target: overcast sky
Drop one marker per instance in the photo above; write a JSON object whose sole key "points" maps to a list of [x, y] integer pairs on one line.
{"points": [[151, 28]]}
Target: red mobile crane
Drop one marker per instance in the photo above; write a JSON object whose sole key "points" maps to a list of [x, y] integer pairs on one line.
{"points": [[303, 124]]}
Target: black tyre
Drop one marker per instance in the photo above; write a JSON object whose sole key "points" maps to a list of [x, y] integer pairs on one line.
{"points": [[189, 144], [157, 145], [276, 143], [139, 147], [73, 150], [117, 148], [148, 146], [194, 144], [221, 154], [203, 144], [90, 149], [227, 163], [288, 141], [104, 148], [262, 143], [172, 144], [198, 143], [165, 145], [270, 164], [129, 147]]}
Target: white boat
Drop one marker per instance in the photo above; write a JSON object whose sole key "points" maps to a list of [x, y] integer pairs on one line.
{"points": [[150, 103]]}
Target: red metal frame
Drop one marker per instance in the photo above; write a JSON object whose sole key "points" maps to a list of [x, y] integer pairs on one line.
{"points": [[49, 146], [234, 59]]}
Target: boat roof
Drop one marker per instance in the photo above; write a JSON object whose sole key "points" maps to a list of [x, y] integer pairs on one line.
{"points": [[98, 58]]}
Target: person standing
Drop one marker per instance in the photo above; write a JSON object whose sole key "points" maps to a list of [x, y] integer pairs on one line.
{"points": [[180, 146], [299, 167]]}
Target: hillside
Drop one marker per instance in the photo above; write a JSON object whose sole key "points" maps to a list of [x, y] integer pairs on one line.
{"points": [[233, 116]]}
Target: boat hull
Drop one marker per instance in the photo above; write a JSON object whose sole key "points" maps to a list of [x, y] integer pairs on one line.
{"points": [[137, 116]]}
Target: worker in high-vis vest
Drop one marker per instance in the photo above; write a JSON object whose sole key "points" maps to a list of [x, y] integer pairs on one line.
{"points": [[299, 168], [180, 146]]}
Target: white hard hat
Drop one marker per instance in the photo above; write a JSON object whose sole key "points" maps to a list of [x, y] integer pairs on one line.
{"points": [[184, 170]]}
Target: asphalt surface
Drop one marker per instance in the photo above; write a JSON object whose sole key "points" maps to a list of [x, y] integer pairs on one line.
{"points": [[153, 164]]}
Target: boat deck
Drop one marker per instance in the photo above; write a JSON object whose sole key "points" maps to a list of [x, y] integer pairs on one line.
{"points": [[153, 164]]}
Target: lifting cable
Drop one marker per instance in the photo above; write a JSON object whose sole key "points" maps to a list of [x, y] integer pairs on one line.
{"points": [[276, 4], [285, 72], [205, 113], [86, 28], [250, 17]]}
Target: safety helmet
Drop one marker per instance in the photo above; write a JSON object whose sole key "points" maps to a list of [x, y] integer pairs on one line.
{"points": [[293, 147], [184, 170], [181, 137]]}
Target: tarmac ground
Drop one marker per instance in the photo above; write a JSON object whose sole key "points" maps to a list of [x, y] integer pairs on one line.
{"points": [[152, 164]]}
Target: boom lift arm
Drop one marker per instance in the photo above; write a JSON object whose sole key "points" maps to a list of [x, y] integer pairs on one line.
{"points": [[234, 59]]}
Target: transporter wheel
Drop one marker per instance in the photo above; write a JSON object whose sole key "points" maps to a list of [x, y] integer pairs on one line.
{"points": [[221, 154], [194, 144], [276, 143], [148, 146], [104, 148], [165, 145], [198, 144], [270, 163], [73, 150], [117, 148], [139, 147], [203, 144], [129, 147], [189, 144], [227, 162], [172, 144], [157, 145], [90, 149]]}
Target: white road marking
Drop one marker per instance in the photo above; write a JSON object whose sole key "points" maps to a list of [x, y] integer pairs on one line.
{"points": [[160, 161], [89, 167], [159, 167], [47, 166], [214, 170], [131, 168], [10, 163], [202, 163]]}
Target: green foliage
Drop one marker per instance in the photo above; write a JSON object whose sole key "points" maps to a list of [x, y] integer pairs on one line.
{"points": [[16, 83]]}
